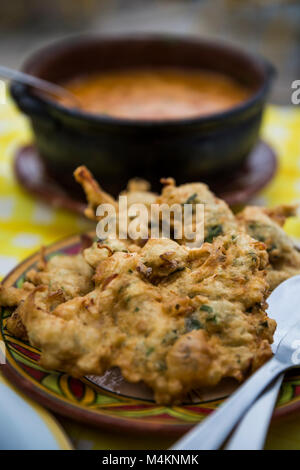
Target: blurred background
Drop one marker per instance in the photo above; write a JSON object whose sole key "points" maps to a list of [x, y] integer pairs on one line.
{"points": [[269, 27]]}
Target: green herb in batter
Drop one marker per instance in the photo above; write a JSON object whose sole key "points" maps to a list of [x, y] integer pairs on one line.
{"points": [[213, 232], [206, 308], [212, 319], [170, 337], [191, 199], [192, 323], [161, 366], [149, 351]]}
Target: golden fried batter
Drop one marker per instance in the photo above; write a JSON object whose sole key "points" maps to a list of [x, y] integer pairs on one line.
{"points": [[219, 219], [200, 320], [265, 225], [12, 296], [70, 274], [137, 192], [173, 317], [64, 276]]}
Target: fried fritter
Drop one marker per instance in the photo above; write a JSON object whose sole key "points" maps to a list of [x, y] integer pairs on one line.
{"points": [[65, 277], [197, 318], [266, 225], [70, 274], [138, 191], [218, 218], [12, 296], [95, 195], [173, 317]]}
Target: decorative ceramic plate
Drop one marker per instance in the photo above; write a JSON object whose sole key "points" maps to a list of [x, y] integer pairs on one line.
{"points": [[109, 400]]}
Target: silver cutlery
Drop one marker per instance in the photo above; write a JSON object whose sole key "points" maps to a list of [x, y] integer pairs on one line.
{"points": [[251, 432], [213, 432], [49, 88]]}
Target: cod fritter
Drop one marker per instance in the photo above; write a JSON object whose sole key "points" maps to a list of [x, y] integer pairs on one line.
{"points": [[173, 317], [266, 225]]}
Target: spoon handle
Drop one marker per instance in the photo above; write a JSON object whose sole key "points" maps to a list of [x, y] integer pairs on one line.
{"points": [[212, 433], [251, 432], [35, 82]]}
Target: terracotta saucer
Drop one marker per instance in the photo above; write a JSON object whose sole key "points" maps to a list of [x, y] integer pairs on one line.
{"points": [[236, 187]]}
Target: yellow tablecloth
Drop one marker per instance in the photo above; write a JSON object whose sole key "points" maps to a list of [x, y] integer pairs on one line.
{"points": [[26, 224]]}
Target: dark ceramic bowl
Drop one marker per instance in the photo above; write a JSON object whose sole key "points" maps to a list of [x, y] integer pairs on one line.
{"points": [[118, 149]]}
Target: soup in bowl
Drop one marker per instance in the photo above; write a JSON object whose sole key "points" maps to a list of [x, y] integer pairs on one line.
{"points": [[157, 94]]}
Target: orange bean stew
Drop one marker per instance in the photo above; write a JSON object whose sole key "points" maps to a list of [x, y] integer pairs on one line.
{"points": [[157, 94]]}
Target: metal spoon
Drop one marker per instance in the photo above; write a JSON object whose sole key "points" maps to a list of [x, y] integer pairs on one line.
{"points": [[213, 432], [43, 85], [251, 432]]}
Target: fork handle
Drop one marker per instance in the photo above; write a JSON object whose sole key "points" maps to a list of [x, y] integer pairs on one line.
{"points": [[213, 431], [251, 432]]}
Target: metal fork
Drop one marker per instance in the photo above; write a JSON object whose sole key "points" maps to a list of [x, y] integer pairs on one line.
{"points": [[213, 432], [251, 432]]}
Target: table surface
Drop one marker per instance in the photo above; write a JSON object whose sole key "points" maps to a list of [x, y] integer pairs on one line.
{"points": [[26, 223]]}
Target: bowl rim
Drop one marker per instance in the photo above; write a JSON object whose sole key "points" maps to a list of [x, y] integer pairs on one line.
{"points": [[74, 40]]}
